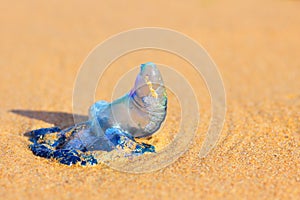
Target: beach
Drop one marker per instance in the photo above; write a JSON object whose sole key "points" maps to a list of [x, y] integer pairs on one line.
{"points": [[256, 47]]}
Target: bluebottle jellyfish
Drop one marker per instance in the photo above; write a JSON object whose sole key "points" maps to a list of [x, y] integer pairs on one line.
{"points": [[111, 126]]}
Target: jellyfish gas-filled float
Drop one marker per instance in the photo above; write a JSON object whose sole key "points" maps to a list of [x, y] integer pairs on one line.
{"points": [[111, 126]]}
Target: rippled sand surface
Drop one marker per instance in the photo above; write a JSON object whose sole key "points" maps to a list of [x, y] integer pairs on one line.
{"points": [[256, 46]]}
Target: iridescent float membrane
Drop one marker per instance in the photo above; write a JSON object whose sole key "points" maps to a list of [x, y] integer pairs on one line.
{"points": [[111, 126]]}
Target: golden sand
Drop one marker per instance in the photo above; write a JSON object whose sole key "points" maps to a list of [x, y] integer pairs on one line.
{"points": [[256, 46]]}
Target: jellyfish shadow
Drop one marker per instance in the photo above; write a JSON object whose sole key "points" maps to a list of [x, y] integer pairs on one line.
{"points": [[59, 119]]}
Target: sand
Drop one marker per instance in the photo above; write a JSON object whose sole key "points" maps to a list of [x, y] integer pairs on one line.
{"points": [[256, 47]]}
